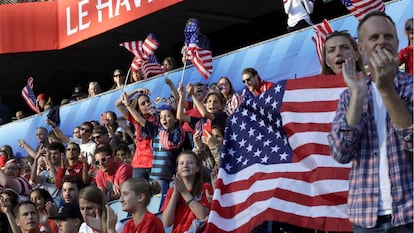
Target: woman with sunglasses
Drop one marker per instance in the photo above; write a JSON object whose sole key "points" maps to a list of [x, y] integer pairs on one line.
{"points": [[406, 54], [139, 112]]}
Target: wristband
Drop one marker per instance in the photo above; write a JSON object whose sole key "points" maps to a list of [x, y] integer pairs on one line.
{"points": [[188, 202]]}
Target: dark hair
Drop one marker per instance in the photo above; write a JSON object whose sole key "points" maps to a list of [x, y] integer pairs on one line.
{"points": [[252, 72], [171, 61], [216, 93], [142, 185], [232, 91], [372, 14], [14, 197], [75, 144], [44, 193], [103, 148], [57, 146], [135, 104], [198, 180], [359, 63], [72, 179]]}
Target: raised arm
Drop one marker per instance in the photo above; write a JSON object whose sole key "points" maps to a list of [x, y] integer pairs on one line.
{"points": [[181, 102], [28, 148], [57, 131]]}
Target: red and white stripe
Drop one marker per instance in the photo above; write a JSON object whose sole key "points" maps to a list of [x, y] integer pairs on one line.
{"points": [[360, 8], [321, 30]]}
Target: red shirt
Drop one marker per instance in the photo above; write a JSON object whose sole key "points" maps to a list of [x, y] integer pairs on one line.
{"points": [[73, 171], [264, 86], [149, 224], [121, 173], [183, 215], [406, 56]]}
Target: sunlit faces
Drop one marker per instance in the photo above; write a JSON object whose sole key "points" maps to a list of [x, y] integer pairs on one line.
{"points": [[85, 131], [72, 152], [12, 170], [337, 50], [144, 104], [88, 208], [55, 156], [76, 132], [128, 199], [216, 133], [70, 192], [69, 225], [214, 103], [41, 135], [187, 165], [377, 33], [137, 76], [38, 199], [103, 161], [27, 218], [167, 119]]}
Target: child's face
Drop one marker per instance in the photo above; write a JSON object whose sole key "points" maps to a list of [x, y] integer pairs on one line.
{"points": [[187, 165], [213, 104], [167, 119], [144, 104]]}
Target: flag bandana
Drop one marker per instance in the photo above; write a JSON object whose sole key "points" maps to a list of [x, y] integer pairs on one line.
{"points": [[275, 163], [29, 95]]}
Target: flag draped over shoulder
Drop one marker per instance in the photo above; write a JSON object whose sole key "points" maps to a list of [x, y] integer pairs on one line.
{"points": [[359, 8], [321, 30], [29, 96], [275, 163], [144, 59], [201, 58]]}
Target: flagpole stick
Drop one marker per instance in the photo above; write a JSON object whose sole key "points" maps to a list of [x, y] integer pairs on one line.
{"points": [[185, 64], [126, 79]]}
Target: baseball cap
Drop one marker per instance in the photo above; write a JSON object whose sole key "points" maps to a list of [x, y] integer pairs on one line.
{"points": [[68, 210]]}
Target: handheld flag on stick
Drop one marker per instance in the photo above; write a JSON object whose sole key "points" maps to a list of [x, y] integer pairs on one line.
{"points": [[321, 30], [29, 96], [201, 58], [359, 8]]}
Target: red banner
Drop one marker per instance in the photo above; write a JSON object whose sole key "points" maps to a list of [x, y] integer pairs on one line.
{"points": [[57, 24]]}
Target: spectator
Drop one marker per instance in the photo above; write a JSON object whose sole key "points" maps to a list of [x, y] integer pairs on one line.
{"points": [[298, 12], [68, 218], [19, 115], [44, 102], [136, 194], [100, 136], [138, 112], [40, 197], [92, 206], [233, 100], [136, 76], [94, 89], [110, 174], [253, 82], [78, 93], [373, 129], [340, 46], [8, 201], [10, 178], [202, 39], [168, 64], [187, 200], [406, 54], [70, 193], [122, 154], [73, 164], [76, 132], [27, 218], [119, 79]]}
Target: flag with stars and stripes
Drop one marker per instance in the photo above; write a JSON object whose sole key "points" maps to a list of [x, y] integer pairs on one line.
{"points": [[359, 8], [275, 163], [29, 95], [201, 58]]}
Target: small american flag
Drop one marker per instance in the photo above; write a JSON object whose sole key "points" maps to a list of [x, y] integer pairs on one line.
{"points": [[151, 67], [201, 58], [29, 96], [359, 8], [276, 164], [321, 30], [142, 50]]}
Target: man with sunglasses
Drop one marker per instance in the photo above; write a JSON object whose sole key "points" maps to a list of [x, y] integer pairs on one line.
{"points": [[253, 82], [110, 174]]}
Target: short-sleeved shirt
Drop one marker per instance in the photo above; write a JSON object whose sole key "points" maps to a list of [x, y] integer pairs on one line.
{"points": [[148, 224], [183, 215], [122, 172]]}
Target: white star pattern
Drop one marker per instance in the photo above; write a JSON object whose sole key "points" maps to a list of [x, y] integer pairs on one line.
{"points": [[259, 137], [283, 156], [242, 142], [233, 120], [253, 117], [251, 132], [232, 152], [243, 126], [267, 142], [257, 153]]}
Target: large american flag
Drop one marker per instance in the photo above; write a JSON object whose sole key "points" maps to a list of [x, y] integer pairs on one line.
{"points": [[29, 95], [321, 30], [359, 8], [276, 164], [201, 58]]}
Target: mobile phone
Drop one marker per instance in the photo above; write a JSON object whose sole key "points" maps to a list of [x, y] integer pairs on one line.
{"points": [[206, 127]]}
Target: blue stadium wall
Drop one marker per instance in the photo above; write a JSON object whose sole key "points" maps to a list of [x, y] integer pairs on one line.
{"points": [[289, 56]]}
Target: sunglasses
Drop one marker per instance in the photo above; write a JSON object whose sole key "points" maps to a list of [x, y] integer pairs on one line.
{"points": [[96, 137], [86, 130], [247, 80], [409, 28], [117, 75], [99, 162]]}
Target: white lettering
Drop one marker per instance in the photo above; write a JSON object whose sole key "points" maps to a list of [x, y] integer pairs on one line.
{"points": [[69, 31], [137, 3], [100, 6], [83, 14], [120, 3]]}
